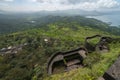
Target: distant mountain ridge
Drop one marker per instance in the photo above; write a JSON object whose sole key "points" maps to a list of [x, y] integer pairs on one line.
{"points": [[60, 12], [13, 23]]}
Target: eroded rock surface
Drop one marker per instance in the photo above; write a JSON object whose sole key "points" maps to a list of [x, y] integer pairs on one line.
{"points": [[113, 73]]}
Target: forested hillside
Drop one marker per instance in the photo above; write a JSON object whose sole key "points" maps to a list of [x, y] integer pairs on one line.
{"points": [[53, 34], [13, 23]]}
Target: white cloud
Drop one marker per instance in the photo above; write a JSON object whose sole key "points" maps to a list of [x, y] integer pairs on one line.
{"points": [[99, 4], [52, 5], [83, 5]]}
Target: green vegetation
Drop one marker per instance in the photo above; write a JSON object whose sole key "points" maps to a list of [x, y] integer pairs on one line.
{"points": [[62, 34], [94, 68], [14, 23]]}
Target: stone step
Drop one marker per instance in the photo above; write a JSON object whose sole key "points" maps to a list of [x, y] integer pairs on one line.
{"points": [[72, 62]]}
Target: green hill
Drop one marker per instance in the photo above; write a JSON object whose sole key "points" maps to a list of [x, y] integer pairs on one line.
{"points": [[13, 23], [62, 34]]}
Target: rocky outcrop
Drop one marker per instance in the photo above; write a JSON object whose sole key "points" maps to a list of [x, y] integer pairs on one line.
{"points": [[88, 45], [66, 61], [12, 49], [113, 73], [101, 46]]}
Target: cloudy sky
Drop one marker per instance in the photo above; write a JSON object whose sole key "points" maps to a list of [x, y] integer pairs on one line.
{"points": [[52, 5]]}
